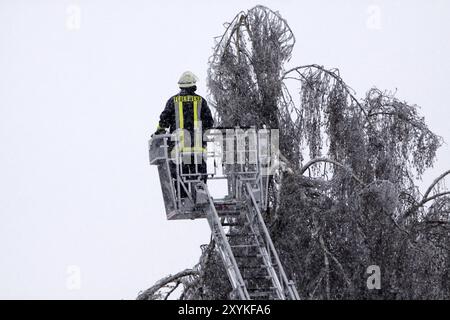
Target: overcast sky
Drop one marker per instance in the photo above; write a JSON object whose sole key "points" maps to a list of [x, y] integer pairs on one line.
{"points": [[82, 84]]}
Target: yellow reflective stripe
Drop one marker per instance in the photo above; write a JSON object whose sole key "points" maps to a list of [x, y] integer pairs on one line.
{"points": [[195, 114], [181, 124], [197, 139], [180, 112]]}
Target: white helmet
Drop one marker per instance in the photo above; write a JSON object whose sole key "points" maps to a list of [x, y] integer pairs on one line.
{"points": [[187, 79]]}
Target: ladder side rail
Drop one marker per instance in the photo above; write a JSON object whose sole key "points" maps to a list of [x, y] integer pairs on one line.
{"points": [[263, 156], [270, 243], [267, 260], [259, 175], [294, 290], [227, 261], [273, 275], [225, 246]]}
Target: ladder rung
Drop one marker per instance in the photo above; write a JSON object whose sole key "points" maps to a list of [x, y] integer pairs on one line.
{"points": [[263, 294], [255, 273], [241, 235], [254, 267], [261, 267], [227, 224], [228, 212], [269, 289], [245, 246], [260, 277], [248, 256], [262, 284]]}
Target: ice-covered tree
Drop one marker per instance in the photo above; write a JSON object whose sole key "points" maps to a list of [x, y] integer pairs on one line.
{"points": [[349, 198]]}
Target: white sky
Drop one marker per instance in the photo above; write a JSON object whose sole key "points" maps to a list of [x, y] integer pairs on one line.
{"points": [[77, 107]]}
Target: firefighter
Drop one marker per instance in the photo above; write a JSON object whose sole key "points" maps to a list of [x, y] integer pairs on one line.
{"points": [[189, 115]]}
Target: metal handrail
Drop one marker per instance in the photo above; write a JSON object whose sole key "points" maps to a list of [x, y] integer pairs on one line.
{"points": [[291, 290]]}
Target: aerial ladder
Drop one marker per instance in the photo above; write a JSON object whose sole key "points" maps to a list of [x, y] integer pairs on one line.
{"points": [[244, 159]]}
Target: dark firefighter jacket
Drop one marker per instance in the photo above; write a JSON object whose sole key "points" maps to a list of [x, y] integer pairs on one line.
{"points": [[171, 119]]}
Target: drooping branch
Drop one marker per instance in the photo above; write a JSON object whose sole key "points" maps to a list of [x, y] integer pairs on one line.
{"points": [[334, 75], [317, 160], [411, 210], [177, 283], [150, 292], [435, 182]]}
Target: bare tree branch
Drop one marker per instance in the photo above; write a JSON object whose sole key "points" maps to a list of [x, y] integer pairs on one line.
{"points": [[435, 182], [332, 74], [172, 290], [317, 160], [411, 210]]}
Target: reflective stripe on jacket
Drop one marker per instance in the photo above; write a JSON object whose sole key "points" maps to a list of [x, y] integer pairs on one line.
{"points": [[187, 111]]}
